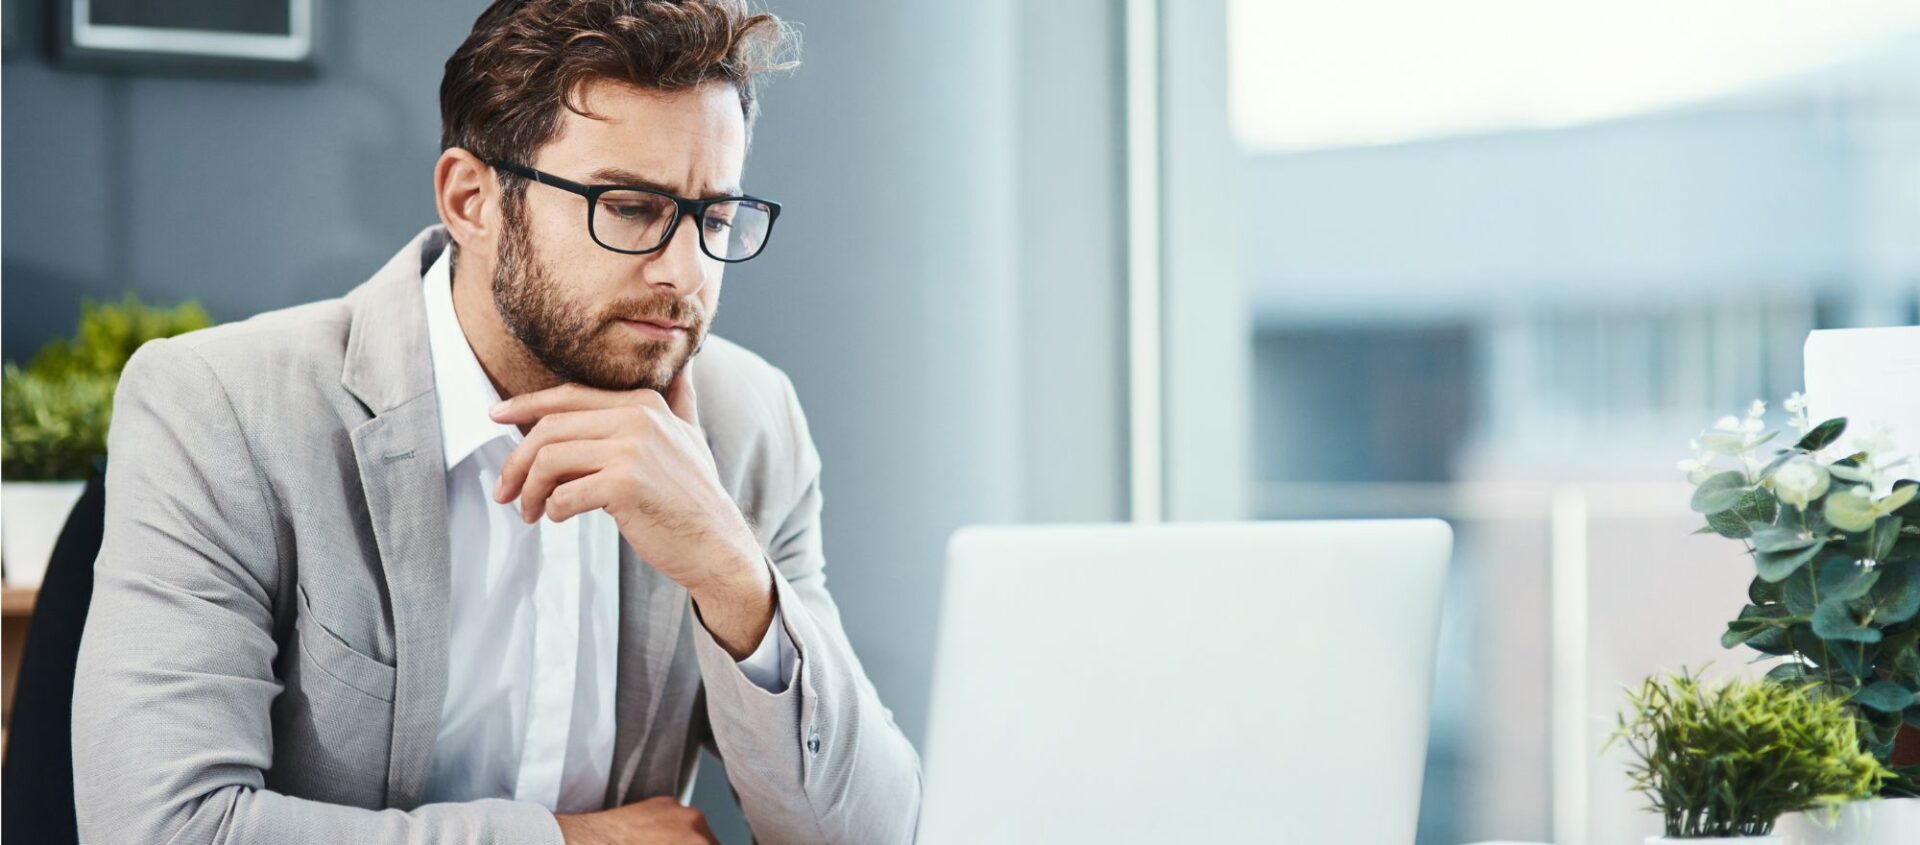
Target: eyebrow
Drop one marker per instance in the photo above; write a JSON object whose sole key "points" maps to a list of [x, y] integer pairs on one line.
{"points": [[628, 178]]}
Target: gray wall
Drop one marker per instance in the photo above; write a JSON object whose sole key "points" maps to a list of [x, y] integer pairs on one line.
{"points": [[944, 289], [248, 194]]}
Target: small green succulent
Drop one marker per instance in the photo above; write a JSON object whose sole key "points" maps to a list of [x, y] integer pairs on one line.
{"points": [[1728, 759]]}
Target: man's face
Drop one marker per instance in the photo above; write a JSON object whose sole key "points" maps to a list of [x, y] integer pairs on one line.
{"points": [[598, 317]]}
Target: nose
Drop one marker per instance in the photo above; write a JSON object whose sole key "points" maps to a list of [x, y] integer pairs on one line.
{"points": [[680, 264]]}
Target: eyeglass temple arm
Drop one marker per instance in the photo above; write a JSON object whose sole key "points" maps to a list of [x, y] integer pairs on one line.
{"points": [[543, 178]]}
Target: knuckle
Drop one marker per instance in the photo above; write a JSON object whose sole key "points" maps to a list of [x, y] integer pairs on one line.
{"points": [[632, 448]]}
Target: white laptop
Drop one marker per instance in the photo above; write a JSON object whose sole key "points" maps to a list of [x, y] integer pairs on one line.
{"points": [[1238, 682]]}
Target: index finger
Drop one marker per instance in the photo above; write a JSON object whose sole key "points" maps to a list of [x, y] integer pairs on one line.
{"points": [[530, 407], [681, 396]]}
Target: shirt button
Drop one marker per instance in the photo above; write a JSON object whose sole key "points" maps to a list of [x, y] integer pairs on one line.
{"points": [[813, 744]]}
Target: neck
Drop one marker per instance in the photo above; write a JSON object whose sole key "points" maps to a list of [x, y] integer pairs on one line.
{"points": [[512, 369]]}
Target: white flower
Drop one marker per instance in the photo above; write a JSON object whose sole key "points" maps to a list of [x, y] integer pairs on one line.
{"points": [[1880, 459], [1876, 443], [1725, 438], [1697, 470], [1756, 410], [1799, 481], [1796, 406], [1730, 436]]}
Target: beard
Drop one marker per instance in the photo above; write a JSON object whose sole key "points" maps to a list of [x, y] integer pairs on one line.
{"points": [[578, 342]]}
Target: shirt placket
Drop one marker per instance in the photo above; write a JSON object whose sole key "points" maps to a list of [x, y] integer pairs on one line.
{"points": [[556, 649]]}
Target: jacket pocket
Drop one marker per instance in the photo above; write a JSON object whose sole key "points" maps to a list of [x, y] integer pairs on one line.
{"points": [[331, 655]]}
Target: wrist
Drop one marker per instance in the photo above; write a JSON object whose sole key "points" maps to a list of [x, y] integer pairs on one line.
{"points": [[738, 579], [578, 829], [737, 611]]}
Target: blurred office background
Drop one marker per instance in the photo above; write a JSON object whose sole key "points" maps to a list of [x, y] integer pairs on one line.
{"points": [[1490, 260], [1498, 261]]}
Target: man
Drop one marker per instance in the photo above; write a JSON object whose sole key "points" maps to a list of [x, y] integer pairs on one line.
{"points": [[346, 594]]}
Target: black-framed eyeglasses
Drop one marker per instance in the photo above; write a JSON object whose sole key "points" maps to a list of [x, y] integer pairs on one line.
{"points": [[636, 220]]}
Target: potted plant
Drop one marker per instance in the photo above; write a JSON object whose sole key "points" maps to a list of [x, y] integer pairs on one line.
{"points": [[1720, 763], [53, 423], [1834, 535]]}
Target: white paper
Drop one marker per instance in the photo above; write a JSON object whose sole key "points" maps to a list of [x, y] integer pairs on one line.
{"points": [[1871, 377]]}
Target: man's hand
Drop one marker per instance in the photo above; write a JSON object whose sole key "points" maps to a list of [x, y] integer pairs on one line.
{"points": [[655, 821], [642, 458]]}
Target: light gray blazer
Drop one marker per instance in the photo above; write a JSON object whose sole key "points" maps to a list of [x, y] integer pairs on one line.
{"points": [[266, 655]]}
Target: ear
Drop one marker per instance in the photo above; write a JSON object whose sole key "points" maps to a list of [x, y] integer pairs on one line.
{"points": [[467, 195]]}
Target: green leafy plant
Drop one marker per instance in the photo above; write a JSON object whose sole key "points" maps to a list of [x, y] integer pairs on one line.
{"points": [[54, 412], [1835, 542], [1729, 759]]}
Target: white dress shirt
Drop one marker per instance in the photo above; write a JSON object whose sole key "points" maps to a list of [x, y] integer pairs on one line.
{"points": [[535, 612]]}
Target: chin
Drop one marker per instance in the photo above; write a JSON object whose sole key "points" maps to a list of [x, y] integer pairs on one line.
{"points": [[651, 375], [655, 374]]}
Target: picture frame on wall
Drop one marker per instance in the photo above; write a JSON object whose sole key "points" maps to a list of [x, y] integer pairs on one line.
{"points": [[244, 36]]}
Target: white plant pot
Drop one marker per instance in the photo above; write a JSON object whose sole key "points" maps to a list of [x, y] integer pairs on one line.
{"points": [[1880, 821], [31, 516], [1717, 840]]}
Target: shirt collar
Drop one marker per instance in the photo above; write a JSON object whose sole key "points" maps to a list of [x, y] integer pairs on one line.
{"points": [[464, 392]]}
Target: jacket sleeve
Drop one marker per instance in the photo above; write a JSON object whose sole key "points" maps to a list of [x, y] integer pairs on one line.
{"points": [[821, 761], [172, 731]]}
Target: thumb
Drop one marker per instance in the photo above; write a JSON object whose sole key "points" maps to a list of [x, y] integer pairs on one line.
{"points": [[681, 397]]}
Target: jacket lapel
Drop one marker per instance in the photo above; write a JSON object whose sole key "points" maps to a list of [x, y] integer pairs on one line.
{"points": [[403, 475]]}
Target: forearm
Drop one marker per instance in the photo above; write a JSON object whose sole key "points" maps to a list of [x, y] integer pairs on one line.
{"points": [[235, 815], [820, 761]]}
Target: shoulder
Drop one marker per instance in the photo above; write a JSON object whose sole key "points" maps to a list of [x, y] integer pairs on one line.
{"points": [[300, 341], [273, 368]]}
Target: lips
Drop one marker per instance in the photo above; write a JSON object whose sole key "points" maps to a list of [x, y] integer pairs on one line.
{"points": [[657, 331]]}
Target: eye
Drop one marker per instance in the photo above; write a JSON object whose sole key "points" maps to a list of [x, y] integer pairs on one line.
{"points": [[630, 211], [719, 218]]}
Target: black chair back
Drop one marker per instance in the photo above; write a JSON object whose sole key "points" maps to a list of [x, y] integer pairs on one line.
{"points": [[36, 803]]}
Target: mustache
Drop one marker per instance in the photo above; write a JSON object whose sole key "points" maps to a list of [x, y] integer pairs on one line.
{"points": [[661, 309]]}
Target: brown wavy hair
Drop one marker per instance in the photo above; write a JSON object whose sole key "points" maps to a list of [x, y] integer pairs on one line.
{"points": [[504, 87]]}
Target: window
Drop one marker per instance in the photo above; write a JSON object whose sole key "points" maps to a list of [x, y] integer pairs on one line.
{"points": [[1496, 261]]}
